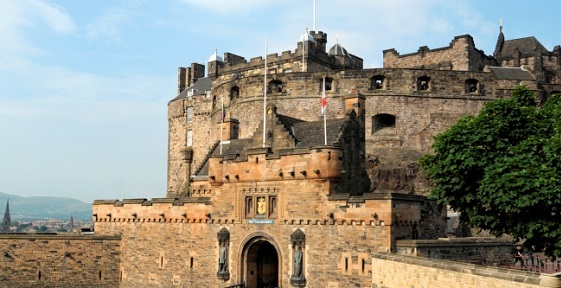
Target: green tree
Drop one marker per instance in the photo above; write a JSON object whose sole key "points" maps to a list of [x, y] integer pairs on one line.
{"points": [[501, 168]]}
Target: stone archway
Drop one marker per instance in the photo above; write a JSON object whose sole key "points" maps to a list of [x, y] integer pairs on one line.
{"points": [[261, 263]]}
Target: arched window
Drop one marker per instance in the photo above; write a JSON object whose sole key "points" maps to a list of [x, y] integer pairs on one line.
{"points": [[234, 93], [377, 82], [472, 86], [423, 83], [382, 121], [213, 102], [328, 84], [274, 86]]}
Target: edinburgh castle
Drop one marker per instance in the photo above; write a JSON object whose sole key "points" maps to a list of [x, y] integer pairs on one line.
{"points": [[263, 190]]}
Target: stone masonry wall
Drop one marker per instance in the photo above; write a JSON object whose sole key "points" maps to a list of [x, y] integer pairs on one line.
{"points": [[475, 250], [460, 55], [397, 271], [183, 251], [59, 260], [420, 115]]}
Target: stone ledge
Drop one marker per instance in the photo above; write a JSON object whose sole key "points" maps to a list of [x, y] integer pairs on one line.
{"points": [[485, 271]]}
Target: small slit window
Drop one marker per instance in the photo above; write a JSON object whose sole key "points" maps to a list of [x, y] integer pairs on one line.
{"points": [[423, 83], [235, 93], [189, 113], [382, 121], [472, 86], [377, 82], [275, 86], [189, 141]]}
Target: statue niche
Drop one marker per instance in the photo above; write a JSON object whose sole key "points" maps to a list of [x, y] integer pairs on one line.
{"points": [[223, 243], [298, 243]]}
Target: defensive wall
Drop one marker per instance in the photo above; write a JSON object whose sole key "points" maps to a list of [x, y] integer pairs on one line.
{"points": [[460, 55], [178, 237], [418, 115], [397, 271], [59, 260]]}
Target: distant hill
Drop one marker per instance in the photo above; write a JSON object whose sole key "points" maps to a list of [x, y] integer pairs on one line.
{"points": [[30, 208]]}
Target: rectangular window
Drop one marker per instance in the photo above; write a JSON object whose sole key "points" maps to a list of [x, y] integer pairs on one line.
{"points": [[189, 114], [189, 138]]}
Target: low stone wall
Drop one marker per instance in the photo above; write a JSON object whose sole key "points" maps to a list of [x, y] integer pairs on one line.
{"points": [[59, 260], [396, 271], [489, 251]]}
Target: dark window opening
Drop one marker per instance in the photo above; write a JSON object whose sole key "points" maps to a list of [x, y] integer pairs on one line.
{"points": [[275, 86], [472, 86], [382, 121], [550, 77], [328, 84], [423, 83], [363, 265], [377, 82], [234, 93]]}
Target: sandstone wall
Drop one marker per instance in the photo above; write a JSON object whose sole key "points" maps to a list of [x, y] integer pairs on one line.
{"points": [[396, 271], [166, 253], [460, 55], [59, 260]]}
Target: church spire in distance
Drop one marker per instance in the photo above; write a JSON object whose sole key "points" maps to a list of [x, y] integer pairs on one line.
{"points": [[7, 219]]}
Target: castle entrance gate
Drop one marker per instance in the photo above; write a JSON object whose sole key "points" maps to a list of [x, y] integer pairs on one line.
{"points": [[260, 264]]}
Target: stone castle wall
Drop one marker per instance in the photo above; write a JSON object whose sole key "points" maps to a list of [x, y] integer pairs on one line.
{"points": [[182, 251], [59, 260], [396, 271], [419, 115], [460, 55]]}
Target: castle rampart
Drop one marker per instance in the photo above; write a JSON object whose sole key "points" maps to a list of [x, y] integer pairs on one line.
{"points": [[60, 260]]}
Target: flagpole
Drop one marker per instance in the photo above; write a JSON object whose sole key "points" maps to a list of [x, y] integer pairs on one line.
{"points": [[324, 112], [221, 123], [314, 15], [265, 99]]}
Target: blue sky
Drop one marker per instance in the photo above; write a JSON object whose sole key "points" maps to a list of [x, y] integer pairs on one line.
{"points": [[84, 85]]}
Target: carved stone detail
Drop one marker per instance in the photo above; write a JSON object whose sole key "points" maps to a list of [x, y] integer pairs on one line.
{"points": [[223, 244], [298, 239]]}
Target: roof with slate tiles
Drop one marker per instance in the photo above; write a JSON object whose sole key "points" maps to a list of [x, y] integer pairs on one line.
{"points": [[527, 45], [306, 135]]}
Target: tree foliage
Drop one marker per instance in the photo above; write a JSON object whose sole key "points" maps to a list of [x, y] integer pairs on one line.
{"points": [[502, 169]]}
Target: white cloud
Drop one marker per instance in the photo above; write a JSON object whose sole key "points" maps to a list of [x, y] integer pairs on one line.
{"points": [[233, 7], [110, 24], [18, 16], [54, 16]]}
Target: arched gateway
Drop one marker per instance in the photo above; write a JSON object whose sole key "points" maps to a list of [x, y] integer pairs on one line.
{"points": [[260, 262]]}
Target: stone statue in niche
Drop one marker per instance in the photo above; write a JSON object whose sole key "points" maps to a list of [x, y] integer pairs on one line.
{"points": [[223, 243], [298, 239], [222, 260], [297, 262]]}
